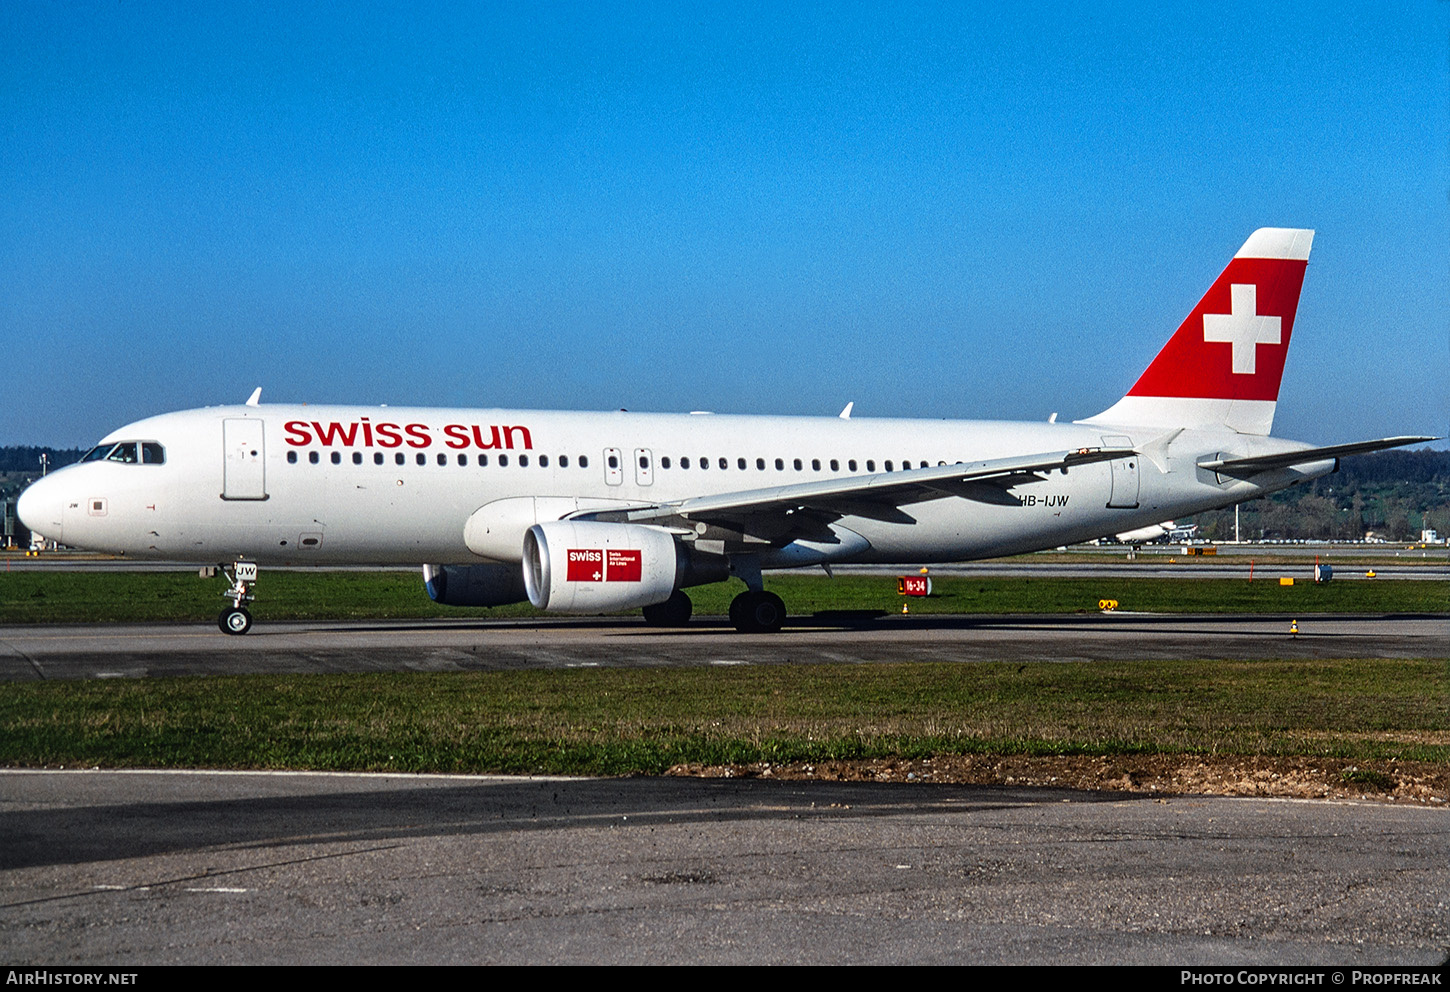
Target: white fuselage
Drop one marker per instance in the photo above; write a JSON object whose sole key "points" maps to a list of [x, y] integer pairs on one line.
{"points": [[294, 484]]}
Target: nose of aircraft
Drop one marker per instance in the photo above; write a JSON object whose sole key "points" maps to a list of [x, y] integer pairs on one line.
{"points": [[39, 507]]}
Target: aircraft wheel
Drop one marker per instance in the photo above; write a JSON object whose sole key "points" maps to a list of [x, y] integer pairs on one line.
{"points": [[737, 610], [673, 612], [757, 613], [235, 620]]}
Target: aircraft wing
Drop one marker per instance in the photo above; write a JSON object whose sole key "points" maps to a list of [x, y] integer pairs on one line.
{"points": [[1255, 464], [879, 496]]}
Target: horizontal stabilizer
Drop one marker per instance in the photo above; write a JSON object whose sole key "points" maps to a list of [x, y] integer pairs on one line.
{"points": [[1263, 463]]}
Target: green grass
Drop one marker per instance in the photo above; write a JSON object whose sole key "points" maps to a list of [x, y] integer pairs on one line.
{"points": [[75, 597], [619, 721]]}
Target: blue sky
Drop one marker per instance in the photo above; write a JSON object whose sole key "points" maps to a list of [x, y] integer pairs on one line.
{"points": [[929, 209]]}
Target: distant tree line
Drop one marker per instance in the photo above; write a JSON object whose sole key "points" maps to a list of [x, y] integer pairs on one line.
{"points": [[25, 458]]}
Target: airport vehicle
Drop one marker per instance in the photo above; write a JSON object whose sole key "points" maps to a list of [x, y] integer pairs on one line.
{"points": [[599, 512]]}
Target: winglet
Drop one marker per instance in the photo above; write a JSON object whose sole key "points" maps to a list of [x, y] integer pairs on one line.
{"points": [[256, 397], [846, 413]]}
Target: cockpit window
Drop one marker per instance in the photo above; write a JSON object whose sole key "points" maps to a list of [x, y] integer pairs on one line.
{"points": [[128, 453]]}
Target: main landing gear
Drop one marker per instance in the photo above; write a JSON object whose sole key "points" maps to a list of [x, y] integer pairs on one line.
{"points": [[754, 611], [673, 612], [235, 619]]}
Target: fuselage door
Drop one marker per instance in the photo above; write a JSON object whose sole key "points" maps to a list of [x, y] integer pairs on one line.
{"points": [[243, 472], [1124, 495], [613, 466], [644, 466]]}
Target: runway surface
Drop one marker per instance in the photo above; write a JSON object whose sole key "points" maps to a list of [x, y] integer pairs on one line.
{"points": [[140, 650], [108, 868]]}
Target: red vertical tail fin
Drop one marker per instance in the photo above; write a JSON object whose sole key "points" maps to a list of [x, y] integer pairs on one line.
{"points": [[1222, 367]]}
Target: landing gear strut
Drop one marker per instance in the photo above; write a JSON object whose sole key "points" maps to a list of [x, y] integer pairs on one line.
{"points": [[235, 619], [673, 612]]}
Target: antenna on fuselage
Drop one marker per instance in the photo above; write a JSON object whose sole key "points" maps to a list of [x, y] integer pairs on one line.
{"points": [[256, 397], [846, 413]]}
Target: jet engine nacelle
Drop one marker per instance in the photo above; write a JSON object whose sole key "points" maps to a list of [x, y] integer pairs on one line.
{"points": [[585, 566], [475, 585]]}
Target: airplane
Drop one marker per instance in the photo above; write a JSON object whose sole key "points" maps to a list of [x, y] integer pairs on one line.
{"points": [[1167, 530], [589, 512]]}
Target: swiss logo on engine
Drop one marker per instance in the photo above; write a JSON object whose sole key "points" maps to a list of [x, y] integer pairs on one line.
{"points": [[585, 565], [624, 566], [594, 565]]}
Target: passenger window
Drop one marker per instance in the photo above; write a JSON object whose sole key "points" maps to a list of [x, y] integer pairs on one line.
{"points": [[888, 465], [685, 462], [583, 461], [357, 457], [724, 464], [377, 457], [665, 462], [564, 461], [797, 464], [543, 461], [815, 464], [704, 463], [482, 461], [851, 465], [613, 462], [870, 464], [154, 454], [835, 465], [463, 459], [523, 461], [291, 458], [337, 458], [422, 458], [779, 465], [740, 464], [312, 457], [503, 461], [398, 458], [442, 459], [760, 464]]}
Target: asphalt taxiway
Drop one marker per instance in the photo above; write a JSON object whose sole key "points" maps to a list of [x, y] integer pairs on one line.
{"points": [[109, 868], [141, 650]]}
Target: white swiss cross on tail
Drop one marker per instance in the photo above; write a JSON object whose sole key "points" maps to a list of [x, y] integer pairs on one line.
{"points": [[1195, 381], [1242, 328]]}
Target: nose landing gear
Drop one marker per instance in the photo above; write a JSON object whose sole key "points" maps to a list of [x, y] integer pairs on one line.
{"points": [[235, 619]]}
